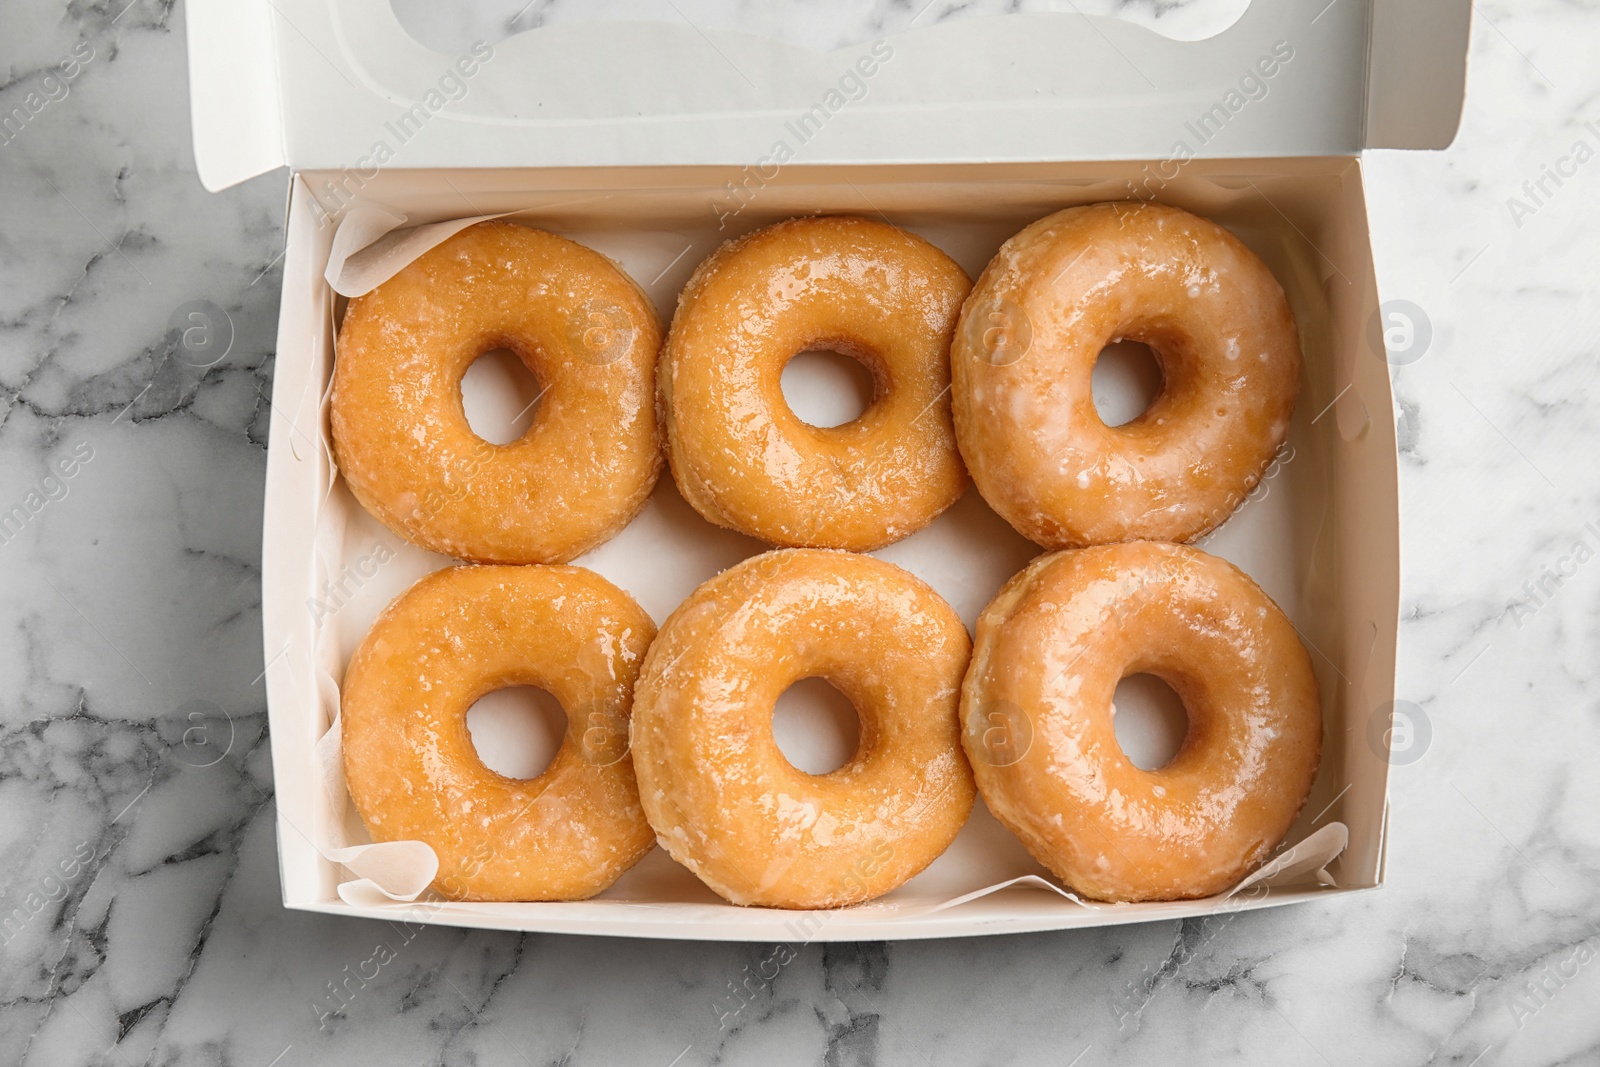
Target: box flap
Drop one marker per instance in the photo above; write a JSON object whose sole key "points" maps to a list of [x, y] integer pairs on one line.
{"points": [[1417, 72], [330, 84], [342, 85], [235, 107]]}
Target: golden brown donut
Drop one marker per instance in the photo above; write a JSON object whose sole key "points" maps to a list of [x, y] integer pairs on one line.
{"points": [[401, 439], [410, 763], [722, 798], [1037, 714], [1030, 334], [741, 457]]}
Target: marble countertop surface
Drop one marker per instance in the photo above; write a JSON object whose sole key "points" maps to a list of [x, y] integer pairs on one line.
{"points": [[139, 888]]}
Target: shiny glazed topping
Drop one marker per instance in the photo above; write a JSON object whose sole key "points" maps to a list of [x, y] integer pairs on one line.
{"points": [[409, 760], [714, 785], [1036, 709], [742, 458], [401, 439], [1051, 299]]}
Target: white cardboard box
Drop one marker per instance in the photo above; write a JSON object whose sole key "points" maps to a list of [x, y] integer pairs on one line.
{"points": [[655, 143]]}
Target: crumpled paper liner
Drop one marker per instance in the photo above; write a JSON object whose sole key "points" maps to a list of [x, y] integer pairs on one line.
{"points": [[370, 246]]}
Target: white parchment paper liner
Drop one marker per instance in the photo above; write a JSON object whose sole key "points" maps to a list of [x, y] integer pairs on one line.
{"points": [[371, 245]]}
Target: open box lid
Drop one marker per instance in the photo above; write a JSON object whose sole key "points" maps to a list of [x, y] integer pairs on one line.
{"points": [[330, 84]]}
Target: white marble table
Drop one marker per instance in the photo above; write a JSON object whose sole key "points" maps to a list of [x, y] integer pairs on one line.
{"points": [[146, 881]]}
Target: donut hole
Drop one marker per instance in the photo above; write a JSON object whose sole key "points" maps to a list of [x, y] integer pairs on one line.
{"points": [[1126, 381], [816, 727], [827, 388], [500, 396], [1149, 720], [517, 730]]}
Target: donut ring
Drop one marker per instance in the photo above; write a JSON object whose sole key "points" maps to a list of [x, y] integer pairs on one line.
{"points": [[410, 763], [1037, 715], [723, 799], [1025, 350], [742, 457], [401, 439]]}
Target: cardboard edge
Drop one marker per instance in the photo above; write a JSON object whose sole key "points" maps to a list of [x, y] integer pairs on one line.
{"points": [[1376, 548], [289, 674], [959, 922]]}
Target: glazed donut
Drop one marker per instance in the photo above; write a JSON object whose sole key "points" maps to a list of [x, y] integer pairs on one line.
{"points": [[401, 439], [741, 457], [1030, 333], [721, 796], [1037, 719], [409, 760]]}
